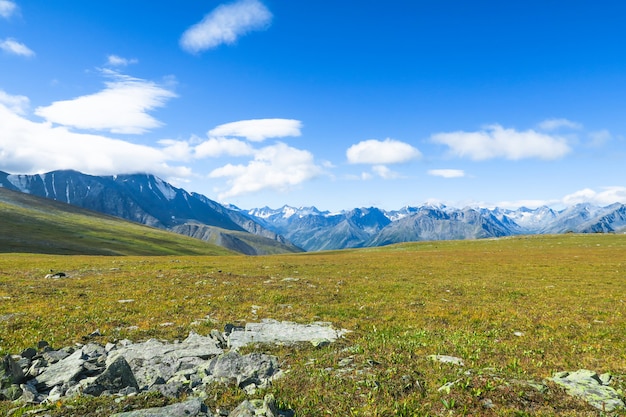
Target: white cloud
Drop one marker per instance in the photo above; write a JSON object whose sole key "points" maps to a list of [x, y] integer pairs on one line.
{"points": [[257, 130], [384, 172], [447, 173], [118, 61], [599, 138], [607, 196], [17, 104], [497, 142], [555, 124], [11, 46], [225, 24], [7, 8], [277, 167], [376, 152], [32, 147], [215, 147], [122, 107]]}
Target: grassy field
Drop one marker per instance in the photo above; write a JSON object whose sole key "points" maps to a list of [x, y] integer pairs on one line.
{"points": [[515, 310]]}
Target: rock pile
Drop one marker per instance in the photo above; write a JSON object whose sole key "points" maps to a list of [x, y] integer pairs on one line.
{"points": [[173, 369]]}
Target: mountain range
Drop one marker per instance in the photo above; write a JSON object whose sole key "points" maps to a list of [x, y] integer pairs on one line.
{"points": [[146, 199]]}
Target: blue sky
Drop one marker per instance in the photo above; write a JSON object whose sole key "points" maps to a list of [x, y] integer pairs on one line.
{"points": [[337, 104]]}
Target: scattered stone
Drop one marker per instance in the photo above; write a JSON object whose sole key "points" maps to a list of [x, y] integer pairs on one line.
{"points": [[447, 359], [518, 334], [591, 387], [487, 403], [64, 370], [129, 300]]}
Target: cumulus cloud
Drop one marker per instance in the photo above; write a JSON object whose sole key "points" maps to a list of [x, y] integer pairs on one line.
{"points": [[118, 61], [11, 46], [605, 197], [257, 130], [225, 25], [555, 124], [497, 142], [376, 152], [447, 173], [17, 104], [34, 147], [7, 8], [122, 107], [276, 167]]}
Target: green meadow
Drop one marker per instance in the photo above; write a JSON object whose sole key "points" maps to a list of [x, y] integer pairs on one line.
{"points": [[516, 310]]}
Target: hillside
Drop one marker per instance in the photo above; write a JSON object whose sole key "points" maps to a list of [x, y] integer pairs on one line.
{"points": [[32, 224], [146, 199]]}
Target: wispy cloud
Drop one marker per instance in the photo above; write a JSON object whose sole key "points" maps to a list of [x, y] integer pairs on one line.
{"points": [[497, 142], [257, 130], [599, 138], [225, 25], [607, 195], [447, 173], [118, 61], [7, 8], [385, 172], [275, 167], [556, 124], [11, 46], [376, 152], [122, 107], [17, 104]]}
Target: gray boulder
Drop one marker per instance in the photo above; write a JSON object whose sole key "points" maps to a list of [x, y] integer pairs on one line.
{"points": [[254, 369], [591, 387], [62, 371], [115, 377]]}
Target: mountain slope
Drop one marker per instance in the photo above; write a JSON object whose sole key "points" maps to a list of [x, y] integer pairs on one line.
{"points": [[146, 199], [32, 224]]}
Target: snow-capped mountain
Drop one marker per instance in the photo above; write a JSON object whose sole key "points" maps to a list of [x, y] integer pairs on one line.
{"points": [[149, 200], [312, 229]]}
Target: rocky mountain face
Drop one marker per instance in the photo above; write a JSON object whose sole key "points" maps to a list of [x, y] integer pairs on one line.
{"points": [[312, 229], [146, 199]]}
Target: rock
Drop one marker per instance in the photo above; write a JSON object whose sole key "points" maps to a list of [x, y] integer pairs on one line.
{"points": [[29, 353], [53, 356], [30, 394], [591, 387], [254, 408], [64, 370], [10, 372], [447, 359], [11, 393], [189, 408], [319, 343], [272, 331], [256, 369], [116, 377]]}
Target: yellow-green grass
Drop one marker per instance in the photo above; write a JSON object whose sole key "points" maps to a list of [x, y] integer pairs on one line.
{"points": [[565, 295], [30, 224]]}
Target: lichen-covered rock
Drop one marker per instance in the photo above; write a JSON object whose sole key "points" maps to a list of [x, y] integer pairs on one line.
{"points": [[256, 408], [447, 359], [189, 408], [272, 331], [591, 387]]}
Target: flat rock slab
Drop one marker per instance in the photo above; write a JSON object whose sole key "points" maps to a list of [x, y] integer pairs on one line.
{"points": [[591, 387], [189, 408], [62, 371], [447, 359], [272, 331]]}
